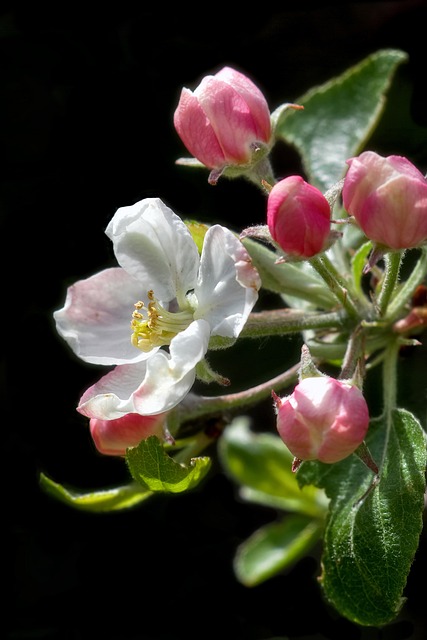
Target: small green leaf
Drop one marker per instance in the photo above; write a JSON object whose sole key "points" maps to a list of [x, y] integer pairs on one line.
{"points": [[262, 465], [339, 116], [370, 543], [358, 263], [155, 470], [190, 162], [198, 231], [105, 500], [274, 548]]}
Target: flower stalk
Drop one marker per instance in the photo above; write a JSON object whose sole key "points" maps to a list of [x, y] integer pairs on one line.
{"points": [[408, 287], [195, 407], [391, 355], [282, 321], [393, 263], [336, 283]]}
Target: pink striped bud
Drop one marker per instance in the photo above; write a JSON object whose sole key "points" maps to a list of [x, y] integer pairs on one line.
{"points": [[388, 199], [113, 437], [323, 419], [224, 120], [298, 217]]}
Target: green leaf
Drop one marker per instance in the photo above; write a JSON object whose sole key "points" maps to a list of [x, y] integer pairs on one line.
{"points": [[262, 465], [370, 543], [198, 231], [358, 262], [105, 500], [155, 470], [274, 548], [339, 116]]}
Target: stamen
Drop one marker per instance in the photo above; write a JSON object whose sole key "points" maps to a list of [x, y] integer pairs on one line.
{"points": [[154, 326]]}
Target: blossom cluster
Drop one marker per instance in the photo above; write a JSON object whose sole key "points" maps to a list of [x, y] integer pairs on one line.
{"points": [[153, 318]]}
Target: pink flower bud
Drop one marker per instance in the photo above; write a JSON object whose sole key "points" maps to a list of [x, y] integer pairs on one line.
{"points": [[113, 437], [298, 217], [388, 199], [323, 419], [223, 120]]}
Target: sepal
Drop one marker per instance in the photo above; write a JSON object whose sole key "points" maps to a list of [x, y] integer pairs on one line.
{"points": [[205, 373]]}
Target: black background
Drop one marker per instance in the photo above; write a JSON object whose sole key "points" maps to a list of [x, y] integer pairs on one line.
{"points": [[87, 97]]}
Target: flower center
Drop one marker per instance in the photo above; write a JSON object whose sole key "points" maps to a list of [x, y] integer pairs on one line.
{"points": [[154, 326]]}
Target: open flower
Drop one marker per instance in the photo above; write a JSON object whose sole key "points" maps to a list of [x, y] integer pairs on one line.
{"points": [[163, 294]]}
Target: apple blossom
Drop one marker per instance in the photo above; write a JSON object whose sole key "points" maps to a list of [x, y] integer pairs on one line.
{"points": [[113, 437], [387, 196], [298, 217], [323, 419], [180, 299], [224, 121]]}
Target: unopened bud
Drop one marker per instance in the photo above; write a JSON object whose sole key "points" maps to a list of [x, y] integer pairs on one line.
{"points": [[323, 419], [388, 199], [298, 217], [113, 437], [225, 121]]}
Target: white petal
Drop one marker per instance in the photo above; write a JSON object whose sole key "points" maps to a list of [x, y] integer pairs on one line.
{"points": [[228, 283], [149, 387], [112, 396], [154, 245], [168, 380], [96, 317]]}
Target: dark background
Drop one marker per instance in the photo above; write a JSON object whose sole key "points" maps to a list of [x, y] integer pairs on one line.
{"points": [[87, 97]]}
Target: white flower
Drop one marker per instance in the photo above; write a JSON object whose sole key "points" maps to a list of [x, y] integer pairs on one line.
{"points": [[153, 316]]}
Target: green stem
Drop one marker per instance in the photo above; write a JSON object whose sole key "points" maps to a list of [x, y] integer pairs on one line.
{"points": [[335, 282], [194, 407], [261, 174], [389, 390], [390, 377], [198, 443], [392, 261], [331, 351], [408, 287], [353, 356], [282, 321]]}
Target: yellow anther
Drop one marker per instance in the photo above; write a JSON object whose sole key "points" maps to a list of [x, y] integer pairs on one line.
{"points": [[155, 326]]}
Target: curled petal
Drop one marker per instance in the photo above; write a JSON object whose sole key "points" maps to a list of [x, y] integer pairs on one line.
{"points": [[152, 386], [154, 245], [228, 283], [112, 396], [170, 376]]}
